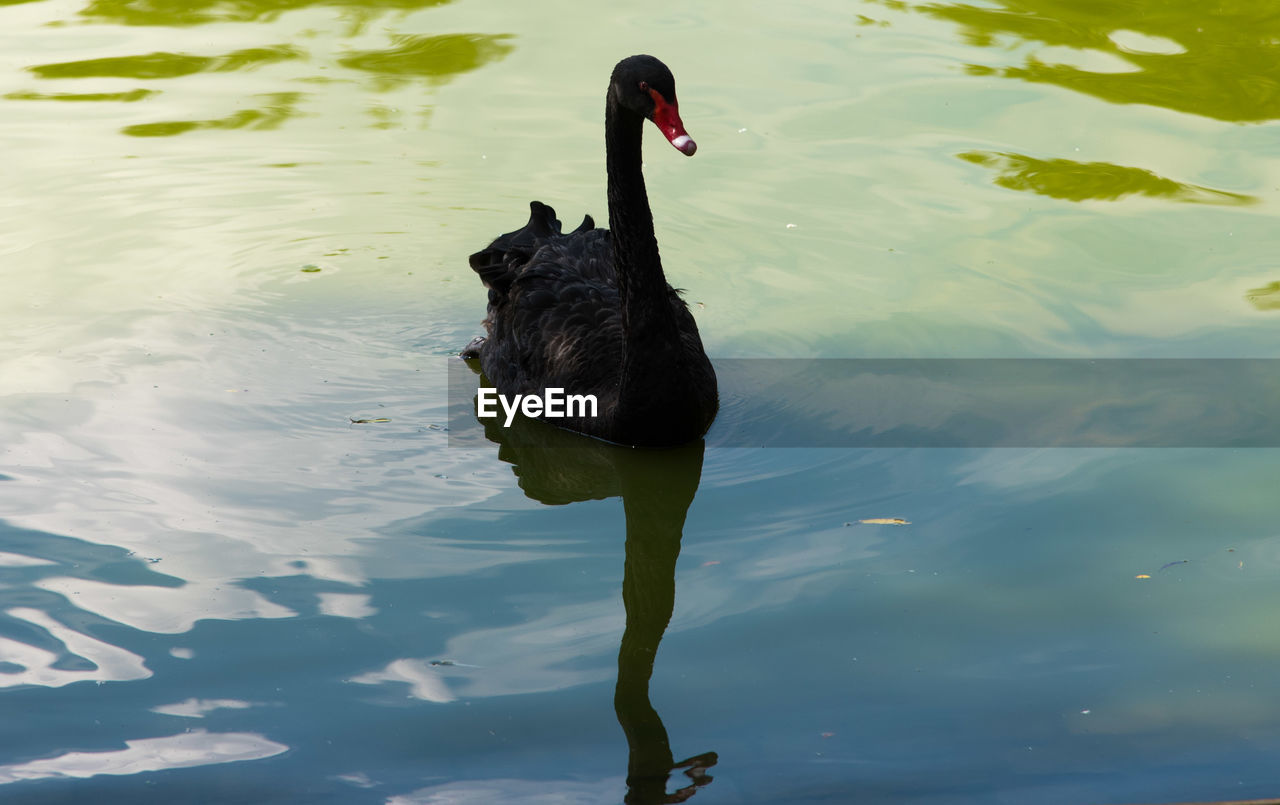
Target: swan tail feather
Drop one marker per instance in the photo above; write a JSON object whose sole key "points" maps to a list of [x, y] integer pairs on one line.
{"points": [[499, 264]]}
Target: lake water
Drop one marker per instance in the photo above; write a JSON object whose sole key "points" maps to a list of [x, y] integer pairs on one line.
{"points": [[240, 561]]}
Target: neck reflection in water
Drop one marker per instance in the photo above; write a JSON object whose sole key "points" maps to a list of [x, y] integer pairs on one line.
{"points": [[656, 486]]}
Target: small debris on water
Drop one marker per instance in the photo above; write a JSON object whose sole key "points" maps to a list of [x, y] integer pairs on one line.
{"points": [[355, 421], [884, 521], [452, 664]]}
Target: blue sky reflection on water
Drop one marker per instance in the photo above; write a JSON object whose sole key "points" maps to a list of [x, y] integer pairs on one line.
{"points": [[232, 228]]}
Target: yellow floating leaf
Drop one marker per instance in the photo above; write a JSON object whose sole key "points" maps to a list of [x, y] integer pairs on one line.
{"points": [[885, 521], [1142, 576]]}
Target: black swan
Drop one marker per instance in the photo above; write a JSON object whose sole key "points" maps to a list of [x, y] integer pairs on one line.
{"points": [[590, 312]]}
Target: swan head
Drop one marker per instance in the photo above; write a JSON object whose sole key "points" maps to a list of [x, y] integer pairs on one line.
{"points": [[645, 86]]}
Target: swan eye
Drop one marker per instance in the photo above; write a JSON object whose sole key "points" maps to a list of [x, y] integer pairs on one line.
{"points": [[644, 86]]}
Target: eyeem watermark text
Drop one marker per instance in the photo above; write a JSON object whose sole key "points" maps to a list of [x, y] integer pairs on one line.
{"points": [[553, 404], [968, 403]]}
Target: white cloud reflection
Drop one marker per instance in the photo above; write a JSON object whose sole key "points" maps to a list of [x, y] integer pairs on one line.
{"points": [[525, 792], [196, 708], [425, 681], [110, 663], [165, 610], [195, 748], [346, 605], [18, 560]]}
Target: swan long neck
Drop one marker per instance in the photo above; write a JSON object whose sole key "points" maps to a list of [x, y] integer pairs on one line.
{"points": [[647, 317]]}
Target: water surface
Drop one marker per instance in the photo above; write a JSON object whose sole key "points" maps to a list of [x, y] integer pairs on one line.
{"points": [[231, 228]]}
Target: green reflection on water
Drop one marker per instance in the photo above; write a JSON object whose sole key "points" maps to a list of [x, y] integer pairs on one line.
{"points": [[126, 97], [430, 57], [410, 57], [166, 65], [183, 12], [281, 107], [1217, 60], [1093, 181], [1265, 298]]}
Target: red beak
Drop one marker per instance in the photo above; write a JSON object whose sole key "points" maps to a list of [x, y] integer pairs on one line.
{"points": [[667, 117]]}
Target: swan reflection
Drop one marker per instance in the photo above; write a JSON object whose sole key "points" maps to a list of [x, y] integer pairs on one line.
{"points": [[556, 467]]}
